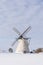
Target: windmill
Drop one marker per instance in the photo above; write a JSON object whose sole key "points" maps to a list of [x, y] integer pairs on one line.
{"points": [[22, 41]]}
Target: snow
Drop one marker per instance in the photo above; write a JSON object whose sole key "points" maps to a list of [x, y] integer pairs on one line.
{"points": [[21, 59]]}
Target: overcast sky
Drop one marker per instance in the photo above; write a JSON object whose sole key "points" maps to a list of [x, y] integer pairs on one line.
{"points": [[21, 14]]}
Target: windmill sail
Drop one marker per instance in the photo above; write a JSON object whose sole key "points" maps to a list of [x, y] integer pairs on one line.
{"points": [[16, 31]]}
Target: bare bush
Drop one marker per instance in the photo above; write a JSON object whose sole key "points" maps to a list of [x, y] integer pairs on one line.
{"points": [[38, 50]]}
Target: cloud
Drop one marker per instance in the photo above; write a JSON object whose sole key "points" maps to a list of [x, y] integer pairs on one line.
{"points": [[21, 13]]}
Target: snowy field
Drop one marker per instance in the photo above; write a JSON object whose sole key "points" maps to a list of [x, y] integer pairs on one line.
{"points": [[21, 59]]}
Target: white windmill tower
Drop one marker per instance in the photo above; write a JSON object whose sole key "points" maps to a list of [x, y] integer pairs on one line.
{"points": [[23, 45]]}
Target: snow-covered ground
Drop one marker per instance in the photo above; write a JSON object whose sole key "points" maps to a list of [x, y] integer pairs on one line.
{"points": [[21, 59]]}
